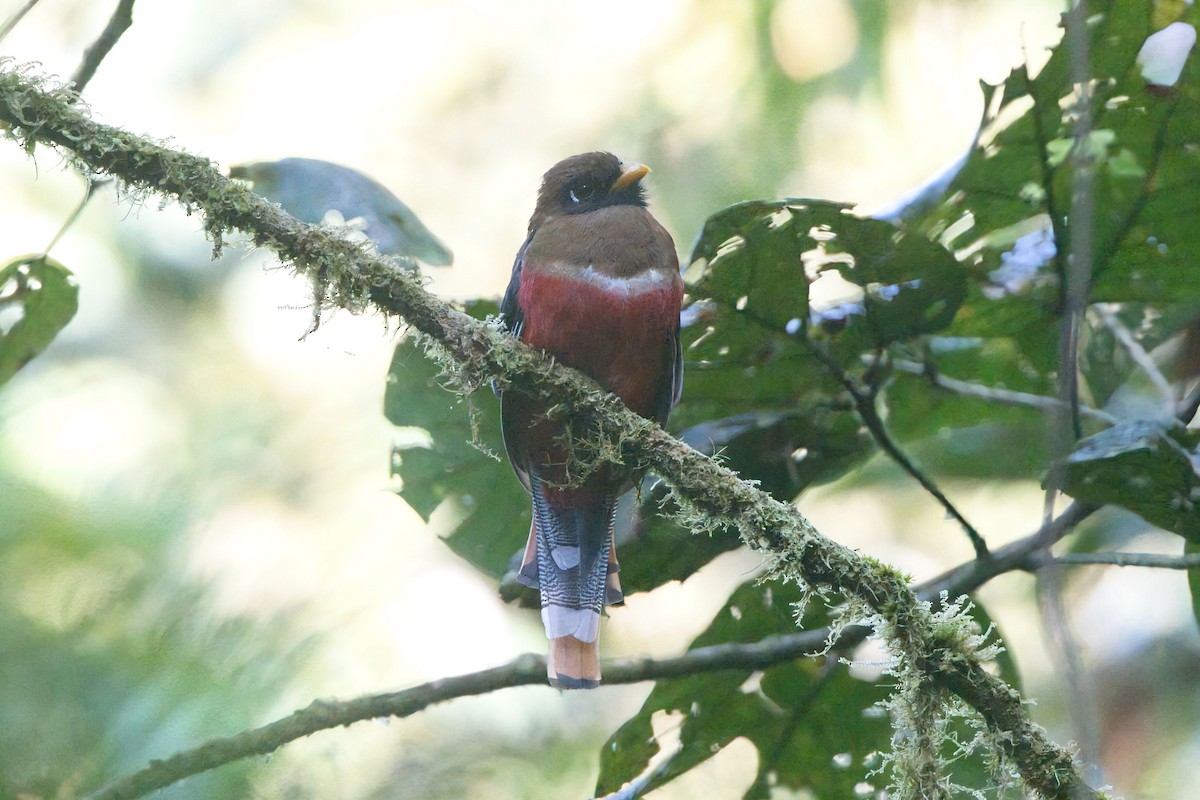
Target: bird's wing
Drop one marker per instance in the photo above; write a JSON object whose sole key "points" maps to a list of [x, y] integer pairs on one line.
{"points": [[513, 317], [510, 310], [676, 368]]}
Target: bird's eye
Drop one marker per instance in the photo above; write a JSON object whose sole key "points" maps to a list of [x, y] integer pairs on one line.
{"points": [[581, 193]]}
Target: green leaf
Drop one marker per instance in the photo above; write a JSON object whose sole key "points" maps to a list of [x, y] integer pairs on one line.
{"points": [[1148, 467], [752, 328], [1001, 214], [38, 297], [1013, 197], [483, 511], [799, 714], [308, 188]]}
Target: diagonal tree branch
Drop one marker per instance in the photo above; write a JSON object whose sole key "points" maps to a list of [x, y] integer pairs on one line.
{"points": [[118, 23], [1108, 315], [10, 23], [864, 401], [993, 394], [347, 275]]}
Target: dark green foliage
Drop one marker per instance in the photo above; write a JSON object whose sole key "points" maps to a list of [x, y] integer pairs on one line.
{"points": [[799, 715], [754, 331], [790, 302], [1146, 466]]}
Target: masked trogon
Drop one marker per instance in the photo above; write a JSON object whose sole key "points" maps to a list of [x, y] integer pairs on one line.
{"points": [[597, 285]]}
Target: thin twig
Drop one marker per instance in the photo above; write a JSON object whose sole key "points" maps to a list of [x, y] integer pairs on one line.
{"points": [[1077, 269], [993, 394], [1018, 555], [864, 401], [1188, 407], [526, 670], [1082, 214], [1107, 314], [118, 23], [1118, 559], [1067, 428], [88, 193], [12, 21], [1061, 237]]}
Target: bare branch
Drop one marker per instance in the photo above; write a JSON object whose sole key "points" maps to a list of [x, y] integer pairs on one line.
{"points": [[118, 23], [1018, 555], [1078, 275], [1075, 292], [526, 670], [1117, 559], [1107, 314], [992, 394], [348, 275], [9, 24], [12, 21], [864, 401]]}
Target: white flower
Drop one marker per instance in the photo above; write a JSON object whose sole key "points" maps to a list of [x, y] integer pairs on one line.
{"points": [[1020, 265], [1163, 54]]}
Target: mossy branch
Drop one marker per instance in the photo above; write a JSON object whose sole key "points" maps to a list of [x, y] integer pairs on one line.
{"points": [[34, 112]]}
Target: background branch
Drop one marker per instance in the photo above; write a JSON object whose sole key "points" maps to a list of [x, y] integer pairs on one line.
{"points": [[992, 394], [15, 17], [1153, 560], [864, 401], [525, 670], [711, 496], [1107, 313], [118, 23], [529, 669]]}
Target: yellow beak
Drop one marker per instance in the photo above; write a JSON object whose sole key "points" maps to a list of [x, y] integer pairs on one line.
{"points": [[630, 174]]}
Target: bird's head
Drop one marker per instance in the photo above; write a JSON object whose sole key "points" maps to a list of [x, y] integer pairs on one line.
{"points": [[587, 182]]}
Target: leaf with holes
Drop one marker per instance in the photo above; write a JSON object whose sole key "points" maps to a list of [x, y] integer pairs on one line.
{"points": [[1145, 466], [38, 297], [482, 510], [815, 726], [1016, 190], [753, 324]]}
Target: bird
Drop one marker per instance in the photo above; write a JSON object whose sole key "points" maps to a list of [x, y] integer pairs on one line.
{"points": [[596, 285]]}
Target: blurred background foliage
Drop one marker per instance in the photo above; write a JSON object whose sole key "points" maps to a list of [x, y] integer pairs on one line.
{"points": [[198, 531]]}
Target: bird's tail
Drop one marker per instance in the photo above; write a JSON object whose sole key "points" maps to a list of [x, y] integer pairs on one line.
{"points": [[571, 560]]}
